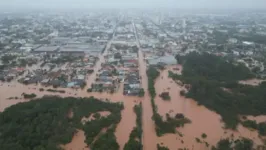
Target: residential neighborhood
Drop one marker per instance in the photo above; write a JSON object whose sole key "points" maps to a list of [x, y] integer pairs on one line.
{"points": [[146, 71]]}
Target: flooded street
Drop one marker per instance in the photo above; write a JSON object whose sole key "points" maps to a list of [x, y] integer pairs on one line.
{"points": [[126, 125], [149, 136], [203, 120], [97, 67]]}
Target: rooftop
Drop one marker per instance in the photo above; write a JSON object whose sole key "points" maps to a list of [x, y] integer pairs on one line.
{"points": [[47, 49]]}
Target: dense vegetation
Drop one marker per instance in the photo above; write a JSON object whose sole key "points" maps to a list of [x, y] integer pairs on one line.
{"points": [[106, 141], [214, 84], [135, 139], [162, 127], [152, 74], [212, 67], [240, 144], [6, 59], [45, 123]]}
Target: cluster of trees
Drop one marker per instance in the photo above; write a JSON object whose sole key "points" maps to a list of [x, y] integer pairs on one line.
{"points": [[93, 128], [135, 139], [261, 127], [210, 75], [89, 90], [55, 91], [212, 67], [162, 127], [106, 141], [6, 59], [239, 144], [165, 96], [152, 74], [24, 62], [44, 123], [29, 96], [159, 147]]}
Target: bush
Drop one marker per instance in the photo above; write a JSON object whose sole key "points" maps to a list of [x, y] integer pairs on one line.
{"points": [[141, 92], [89, 90], [162, 147], [250, 124], [179, 116], [29, 96], [182, 92], [203, 135], [165, 96], [97, 116], [197, 140], [55, 91]]}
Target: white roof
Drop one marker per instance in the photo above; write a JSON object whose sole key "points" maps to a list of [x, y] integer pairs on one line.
{"points": [[248, 43]]}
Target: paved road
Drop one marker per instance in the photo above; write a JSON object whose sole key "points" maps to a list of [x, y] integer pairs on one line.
{"points": [[97, 66]]}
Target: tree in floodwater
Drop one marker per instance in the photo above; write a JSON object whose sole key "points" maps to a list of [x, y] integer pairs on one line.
{"points": [[46, 125]]}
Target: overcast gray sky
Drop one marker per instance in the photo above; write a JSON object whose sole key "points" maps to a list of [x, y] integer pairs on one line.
{"points": [[210, 4]]}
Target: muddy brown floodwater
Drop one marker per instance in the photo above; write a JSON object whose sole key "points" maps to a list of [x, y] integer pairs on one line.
{"points": [[91, 117], [258, 119], [125, 126], [253, 82], [123, 129], [203, 120], [149, 137], [77, 142]]}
